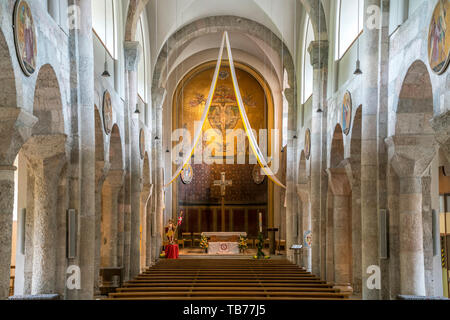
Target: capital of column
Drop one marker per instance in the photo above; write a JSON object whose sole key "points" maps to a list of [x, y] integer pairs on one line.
{"points": [[318, 51], [132, 55], [411, 155], [338, 181], [17, 124], [441, 126], [115, 178], [303, 192], [42, 147]]}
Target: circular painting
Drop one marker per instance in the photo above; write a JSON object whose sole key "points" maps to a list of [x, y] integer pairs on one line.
{"points": [[107, 112], [439, 37], [142, 143], [346, 113], [187, 174], [25, 37], [258, 175], [307, 144]]}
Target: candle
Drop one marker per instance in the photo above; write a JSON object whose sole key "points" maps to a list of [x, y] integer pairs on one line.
{"points": [[260, 222]]}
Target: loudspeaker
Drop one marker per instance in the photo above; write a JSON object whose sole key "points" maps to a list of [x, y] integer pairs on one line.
{"points": [[384, 234], [21, 230], [436, 233], [71, 233]]}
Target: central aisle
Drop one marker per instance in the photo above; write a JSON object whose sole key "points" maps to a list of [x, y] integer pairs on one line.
{"points": [[227, 279]]}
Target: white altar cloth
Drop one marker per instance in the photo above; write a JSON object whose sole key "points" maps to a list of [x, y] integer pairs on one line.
{"points": [[223, 248]]}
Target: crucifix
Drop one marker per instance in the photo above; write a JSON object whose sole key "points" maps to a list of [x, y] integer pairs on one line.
{"points": [[223, 184]]}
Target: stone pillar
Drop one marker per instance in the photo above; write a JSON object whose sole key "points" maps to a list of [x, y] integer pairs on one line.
{"points": [[145, 194], [6, 218], [412, 270], [46, 157], [410, 160], [303, 193], [132, 52], [353, 168], [369, 153], [83, 157], [101, 170], [291, 197], [111, 189], [341, 190], [148, 231], [318, 51]]}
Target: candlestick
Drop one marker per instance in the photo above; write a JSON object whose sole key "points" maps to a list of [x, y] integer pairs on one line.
{"points": [[260, 222]]}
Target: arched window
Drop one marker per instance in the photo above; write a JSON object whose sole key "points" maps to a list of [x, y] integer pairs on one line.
{"points": [[347, 28], [142, 68], [104, 24], [307, 83]]}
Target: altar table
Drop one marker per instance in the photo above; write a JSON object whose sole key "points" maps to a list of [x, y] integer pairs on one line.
{"points": [[224, 242]]}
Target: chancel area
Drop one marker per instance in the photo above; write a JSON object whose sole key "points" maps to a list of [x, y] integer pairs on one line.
{"points": [[217, 150]]}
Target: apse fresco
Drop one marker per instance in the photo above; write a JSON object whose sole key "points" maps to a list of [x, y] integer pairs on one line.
{"points": [[224, 115]]}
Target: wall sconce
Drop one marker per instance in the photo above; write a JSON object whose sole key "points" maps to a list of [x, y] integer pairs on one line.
{"points": [[137, 109]]}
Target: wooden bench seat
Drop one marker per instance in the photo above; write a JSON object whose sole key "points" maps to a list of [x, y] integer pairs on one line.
{"points": [[221, 279]]}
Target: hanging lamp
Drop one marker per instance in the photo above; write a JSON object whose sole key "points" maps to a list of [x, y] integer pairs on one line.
{"points": [[358, 70]]}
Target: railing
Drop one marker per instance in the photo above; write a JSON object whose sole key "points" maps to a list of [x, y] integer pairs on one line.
{"points": [[11, 280]]}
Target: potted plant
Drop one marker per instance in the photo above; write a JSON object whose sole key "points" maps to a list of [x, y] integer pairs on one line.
{"points": [[243, 244], [204, 243]]}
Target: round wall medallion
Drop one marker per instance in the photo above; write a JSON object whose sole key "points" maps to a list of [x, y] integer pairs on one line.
{"points": [[346, 113], [307, 144], [258, 175], [142, 143], [25, 37], [107, 112], [187, 174], [439, 37]]}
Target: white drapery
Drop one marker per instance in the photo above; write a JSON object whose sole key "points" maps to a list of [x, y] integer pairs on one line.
{"points": [[248, 129]]}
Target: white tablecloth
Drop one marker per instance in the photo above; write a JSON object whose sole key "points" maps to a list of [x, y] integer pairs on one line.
{"points": [[223, 248]]}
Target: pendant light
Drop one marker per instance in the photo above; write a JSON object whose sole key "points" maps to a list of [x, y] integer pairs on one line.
{"points": [[137, 111], [358, 70], [106, 73]]}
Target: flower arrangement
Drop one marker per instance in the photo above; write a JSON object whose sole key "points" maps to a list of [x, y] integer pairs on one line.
{"points": [[204, 242], [243, 243]]}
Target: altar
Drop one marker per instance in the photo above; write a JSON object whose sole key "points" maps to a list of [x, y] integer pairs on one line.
{"points": [[226, 243]]}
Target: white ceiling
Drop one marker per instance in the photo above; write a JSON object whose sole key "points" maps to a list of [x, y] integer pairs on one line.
{"points": [[167, 16]]}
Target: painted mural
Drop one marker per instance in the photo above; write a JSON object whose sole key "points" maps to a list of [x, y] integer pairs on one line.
{"points": [[439, 37]]}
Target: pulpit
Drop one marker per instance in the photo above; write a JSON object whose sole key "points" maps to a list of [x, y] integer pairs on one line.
{"points": [[226, 243]]}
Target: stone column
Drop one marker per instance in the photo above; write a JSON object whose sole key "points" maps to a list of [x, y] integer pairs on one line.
{"points": [[101, 170], [410, 156], [303, 193], [158, 100], [145, 194], [111, 188], [46, 157], [318, 51], [353, 168], [6, 218], [291, 198], [341, 190], [148, 233], [83, 156], [369, 153], [132, 52]]}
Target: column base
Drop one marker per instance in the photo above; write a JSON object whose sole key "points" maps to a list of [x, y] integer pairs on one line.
{"points": [[343, 287]]}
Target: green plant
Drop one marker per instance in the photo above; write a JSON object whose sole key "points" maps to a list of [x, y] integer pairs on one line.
{"points": [[243, 243], [204, 242], [260, 246]]}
